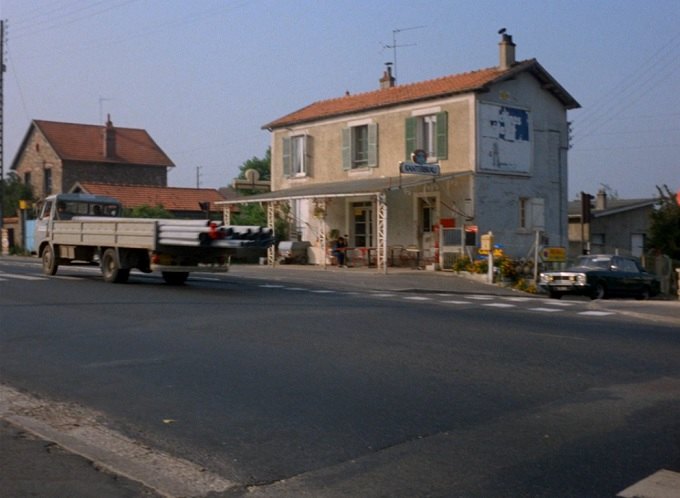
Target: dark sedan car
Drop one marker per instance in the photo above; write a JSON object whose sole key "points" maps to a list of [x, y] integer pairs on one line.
{"points": [[600, 276]]}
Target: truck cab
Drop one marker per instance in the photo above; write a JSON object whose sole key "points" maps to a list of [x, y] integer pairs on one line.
{"points": [[67, 206]]}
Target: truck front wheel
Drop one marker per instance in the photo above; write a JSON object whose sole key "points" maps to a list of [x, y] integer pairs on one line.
{"points": [[49, 261], [110, 270]]}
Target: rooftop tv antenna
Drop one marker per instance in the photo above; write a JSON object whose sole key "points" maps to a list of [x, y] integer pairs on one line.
{"points": [[394, 44]]}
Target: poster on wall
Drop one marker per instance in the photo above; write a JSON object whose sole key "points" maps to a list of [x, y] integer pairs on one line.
{"points": [[504, 139]]}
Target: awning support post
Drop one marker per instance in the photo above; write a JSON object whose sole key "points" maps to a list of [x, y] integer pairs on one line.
{"points": [[271, 218], [381, 206]]}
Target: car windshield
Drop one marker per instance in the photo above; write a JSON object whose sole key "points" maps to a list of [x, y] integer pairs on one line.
{"points": [[594, 262]]}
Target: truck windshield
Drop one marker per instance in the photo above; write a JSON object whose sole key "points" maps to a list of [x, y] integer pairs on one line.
{"points": [[68, 209]]}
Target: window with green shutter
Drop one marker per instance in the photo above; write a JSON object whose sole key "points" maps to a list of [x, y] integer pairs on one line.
{"points": [[428, 133], [297, 155], [360, 147]]}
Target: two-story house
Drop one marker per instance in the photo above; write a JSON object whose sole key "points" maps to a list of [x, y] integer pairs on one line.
{"points": [[496, 140], [616, 226], [53, 156]]}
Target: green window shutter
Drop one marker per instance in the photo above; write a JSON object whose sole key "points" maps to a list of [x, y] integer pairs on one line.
{"points": [[442, 135], [308, 154], [410, 137], [346, 148], [287, 160], [373, 146]]}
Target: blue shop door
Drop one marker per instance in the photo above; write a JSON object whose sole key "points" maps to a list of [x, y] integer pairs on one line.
{"points": [[29, 235]]}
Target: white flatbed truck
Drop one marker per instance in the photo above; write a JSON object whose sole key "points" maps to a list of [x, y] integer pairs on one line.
{"points": [[86, 228]]}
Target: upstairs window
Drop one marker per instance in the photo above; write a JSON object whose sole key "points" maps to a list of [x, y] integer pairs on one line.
{"points": [[297, 155], [47, 181], [360, 147], [531, 213], [429, 133]]}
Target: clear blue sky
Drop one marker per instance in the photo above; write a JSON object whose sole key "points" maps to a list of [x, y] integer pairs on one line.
{"points": [[203, 76]]}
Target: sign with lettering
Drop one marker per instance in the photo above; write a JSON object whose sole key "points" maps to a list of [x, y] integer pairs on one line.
{"points": [[410, 168], [554, 254]]}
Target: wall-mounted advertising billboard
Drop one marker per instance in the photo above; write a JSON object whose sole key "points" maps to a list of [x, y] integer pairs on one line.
{"points": [[505, 139]]}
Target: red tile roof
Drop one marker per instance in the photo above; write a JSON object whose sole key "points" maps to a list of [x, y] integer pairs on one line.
{"points": [[81, 142], [437, 88], [171, 198]]}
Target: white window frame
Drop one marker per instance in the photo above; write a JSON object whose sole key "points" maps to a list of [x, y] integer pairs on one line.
{"points": [[426, 135], [298, 155], [531, 214]]}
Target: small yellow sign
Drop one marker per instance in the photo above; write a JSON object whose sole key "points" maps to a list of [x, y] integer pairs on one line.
{"points": [[554, 254], [486, 242]]}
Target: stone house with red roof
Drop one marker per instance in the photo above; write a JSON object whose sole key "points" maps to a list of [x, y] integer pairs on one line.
{"points": [[53, 156], [489, 146]]}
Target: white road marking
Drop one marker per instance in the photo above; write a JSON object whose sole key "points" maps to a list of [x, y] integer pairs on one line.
{"points": [[322, 291], [499, 305], [272, 286], [479, 298], [19, 276], [517, 299], [382, 295], [547, 310], [456, 302], [418, 298], [596, 313], [555, 302]]}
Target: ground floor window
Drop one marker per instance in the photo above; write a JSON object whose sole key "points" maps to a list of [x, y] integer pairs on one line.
{"points": [[362, 216]]}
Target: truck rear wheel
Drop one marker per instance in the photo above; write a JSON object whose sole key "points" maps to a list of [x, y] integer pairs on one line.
{"points": [[49, 261], [175, 277], [110, 270]]}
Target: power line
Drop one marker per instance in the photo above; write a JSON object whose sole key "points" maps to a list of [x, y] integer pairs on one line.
{"points": [[634, 86]]}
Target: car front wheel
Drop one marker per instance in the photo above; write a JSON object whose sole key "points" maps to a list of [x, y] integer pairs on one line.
{"points": [[555, 294], [644, 294], [599, 291]]}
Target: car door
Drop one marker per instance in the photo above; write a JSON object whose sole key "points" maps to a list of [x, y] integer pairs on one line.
{"points": [[631, 277]]}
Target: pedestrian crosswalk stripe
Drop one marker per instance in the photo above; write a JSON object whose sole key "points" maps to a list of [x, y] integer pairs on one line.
{"points": [[500, 305], [596, 313], [549, 310], [456, 302], [555, 302], [418, 298], [19, 276], [479, 298]]}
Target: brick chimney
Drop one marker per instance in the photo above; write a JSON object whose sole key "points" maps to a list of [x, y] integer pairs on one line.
{"points": [[387, 81], [506, 51], [109, 139]]}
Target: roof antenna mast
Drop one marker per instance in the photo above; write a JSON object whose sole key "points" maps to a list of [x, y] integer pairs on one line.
{"points": [[394, 44]]}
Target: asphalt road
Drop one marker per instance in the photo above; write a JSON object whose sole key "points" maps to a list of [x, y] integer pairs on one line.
{"points": [[313, 389]]}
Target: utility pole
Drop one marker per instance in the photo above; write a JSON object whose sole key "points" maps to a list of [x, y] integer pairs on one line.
{"points": [[198, 176], [2, 114]]}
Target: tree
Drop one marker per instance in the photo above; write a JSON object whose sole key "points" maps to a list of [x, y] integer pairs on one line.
{"points": [[664, 232], [261, 165], [14, 190], [255, 214], [146, 211]]}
